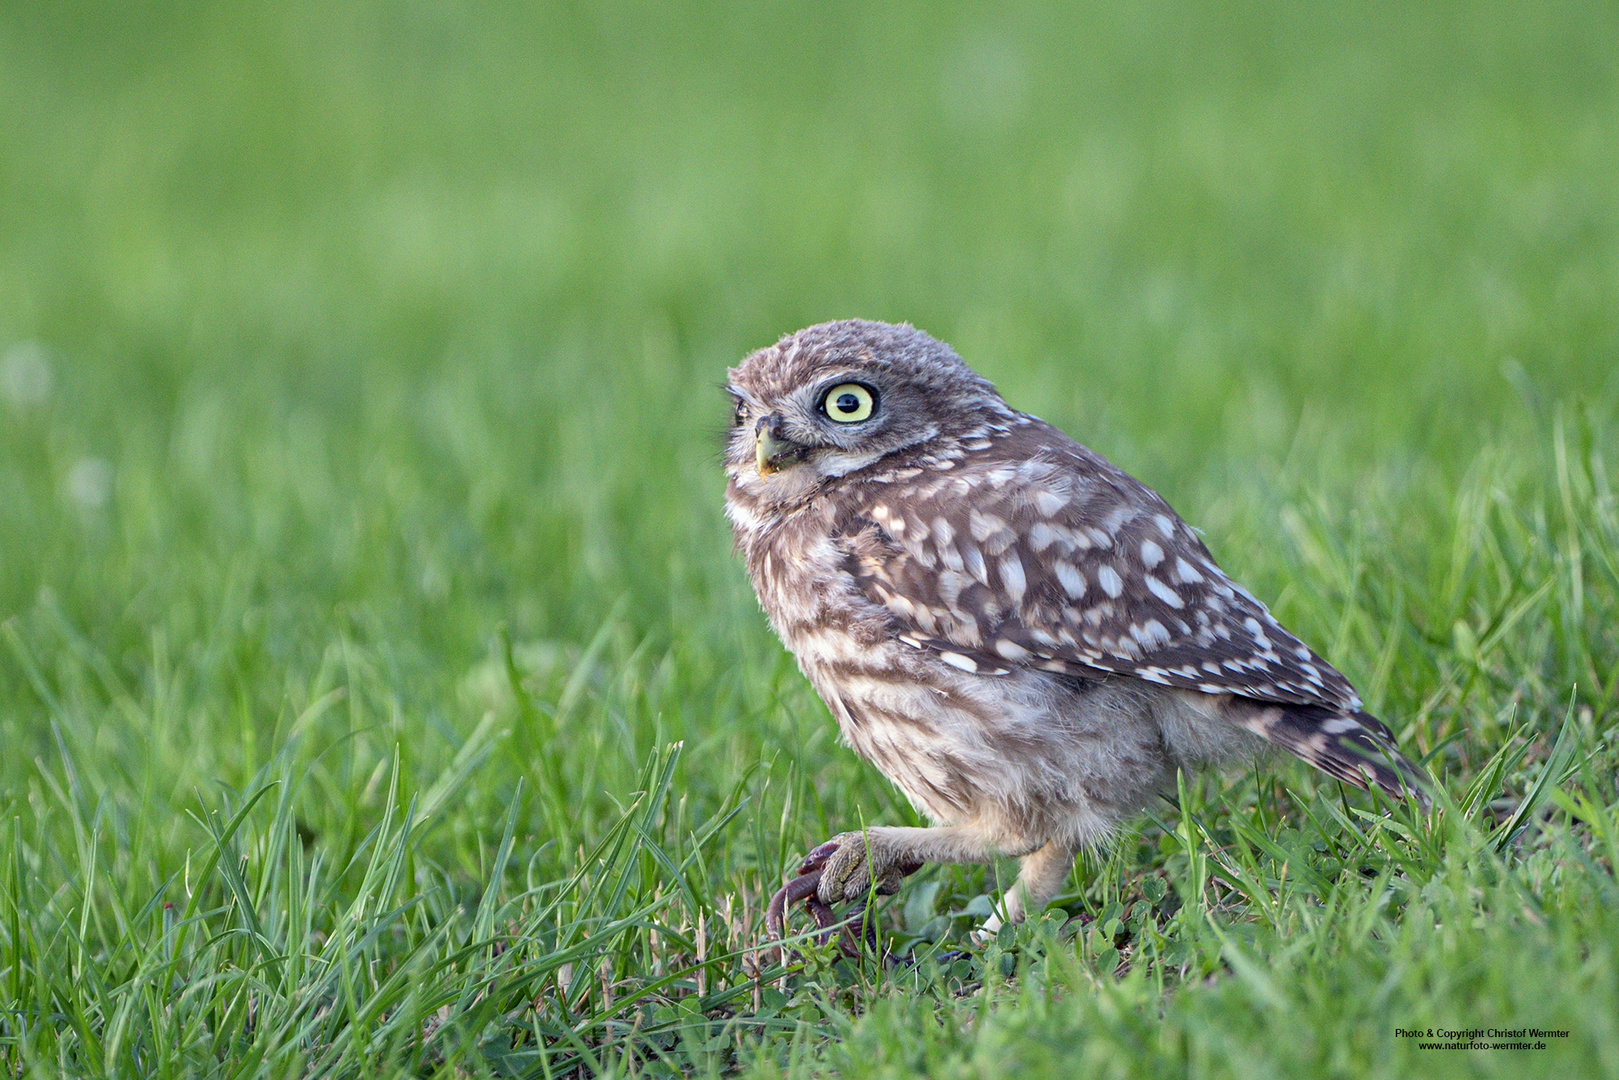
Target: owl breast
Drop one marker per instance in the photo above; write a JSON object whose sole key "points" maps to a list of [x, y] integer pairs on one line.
{"points": [[1023, 754]]}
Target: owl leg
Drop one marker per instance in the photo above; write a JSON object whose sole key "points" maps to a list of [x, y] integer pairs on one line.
{"points": [[845, 868], [1040, 874]]}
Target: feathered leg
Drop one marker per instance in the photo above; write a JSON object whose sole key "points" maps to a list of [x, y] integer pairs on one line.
{"points": [[845, 867], [1040, 875]]}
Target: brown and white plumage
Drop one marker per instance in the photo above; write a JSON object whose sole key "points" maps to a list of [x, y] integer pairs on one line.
{"points": [[1025, 639]]}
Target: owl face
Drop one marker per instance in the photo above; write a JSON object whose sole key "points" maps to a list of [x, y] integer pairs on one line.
{"points": [[835, 398]]}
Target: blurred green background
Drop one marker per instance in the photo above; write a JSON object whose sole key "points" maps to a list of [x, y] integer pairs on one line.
{"points": [[419, 308], [338, 340]]}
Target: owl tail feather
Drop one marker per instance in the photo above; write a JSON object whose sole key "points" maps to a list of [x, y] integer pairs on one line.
{"points": [[1353, 747]]}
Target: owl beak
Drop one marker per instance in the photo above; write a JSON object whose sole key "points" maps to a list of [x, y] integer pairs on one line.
{"points": [[771, 449]]}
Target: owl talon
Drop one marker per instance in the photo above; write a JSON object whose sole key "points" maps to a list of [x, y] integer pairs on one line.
{"points": [[844, 868], [856, 861], [799, 888], [825, 918], [850, 936], [817, 858]]}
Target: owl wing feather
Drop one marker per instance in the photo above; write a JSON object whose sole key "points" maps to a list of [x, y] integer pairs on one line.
{"points": [[1026, 549]]}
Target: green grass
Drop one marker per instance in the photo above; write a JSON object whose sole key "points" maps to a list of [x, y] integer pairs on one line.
{"points": [[379, 695]]}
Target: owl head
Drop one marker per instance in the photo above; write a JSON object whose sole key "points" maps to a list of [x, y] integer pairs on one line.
{"points": [[837, 397]]}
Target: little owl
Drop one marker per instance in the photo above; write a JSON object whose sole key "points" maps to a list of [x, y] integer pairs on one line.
{"points": [[1024, 639]]}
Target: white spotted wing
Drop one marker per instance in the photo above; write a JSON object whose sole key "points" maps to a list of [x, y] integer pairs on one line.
{"points": [[1030, 550]]}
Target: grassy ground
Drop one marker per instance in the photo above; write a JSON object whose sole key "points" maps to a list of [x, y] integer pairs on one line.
{"points": [[379, 695]]}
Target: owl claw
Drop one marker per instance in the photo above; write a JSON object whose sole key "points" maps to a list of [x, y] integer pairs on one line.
{"points": [[803, 888], [817, 858], [799, 888], [846, 857], [825, 917], [851, 862]]}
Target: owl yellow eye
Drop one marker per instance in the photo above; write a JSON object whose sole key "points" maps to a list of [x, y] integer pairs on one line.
{"points": [[848, 403]]}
